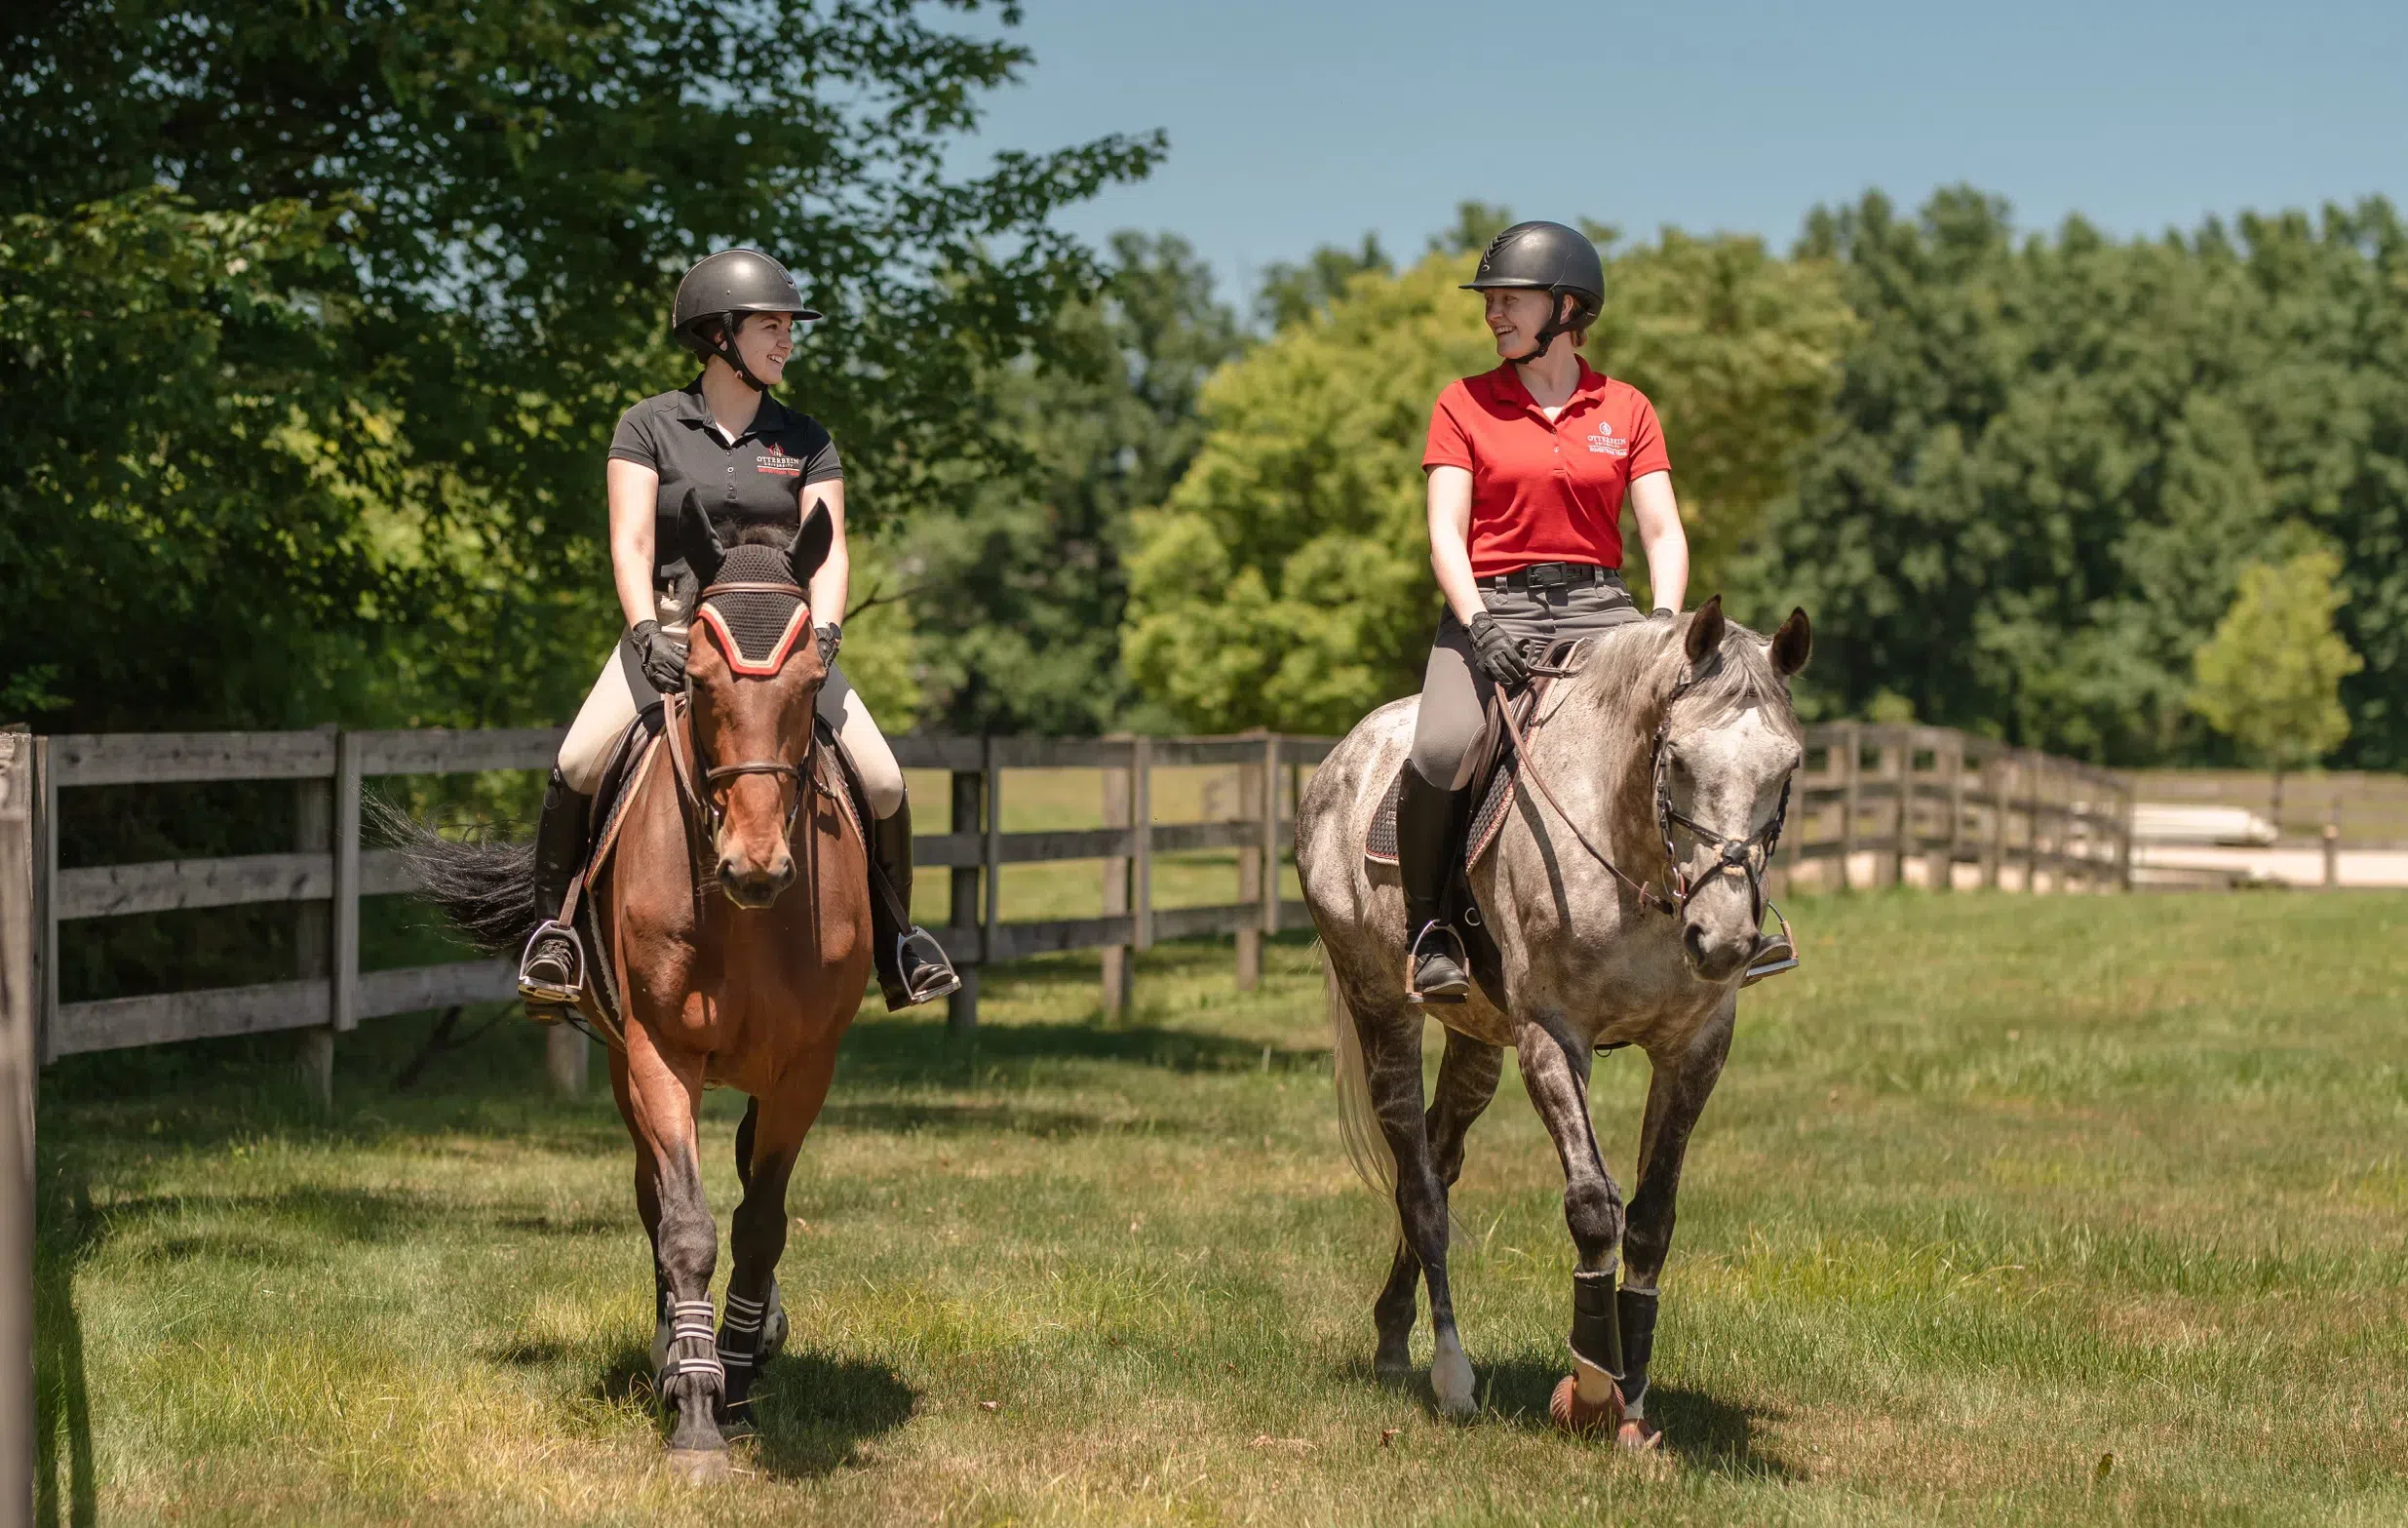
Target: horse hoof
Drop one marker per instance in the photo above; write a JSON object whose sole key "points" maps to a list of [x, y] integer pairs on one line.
{"points": [[1451, 1381], [1640, 1437], [699, 1465], [1578, 1417]]}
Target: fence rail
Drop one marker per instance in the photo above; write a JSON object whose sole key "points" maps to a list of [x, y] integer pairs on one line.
{"points": [[1872, 806]]}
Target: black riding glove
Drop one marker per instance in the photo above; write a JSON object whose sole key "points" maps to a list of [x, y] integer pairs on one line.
{"points": [[1496, 654], [661, 656], [830, 637]]}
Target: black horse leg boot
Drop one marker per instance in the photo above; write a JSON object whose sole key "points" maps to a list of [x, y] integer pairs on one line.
{"points": [[911, 964], [1434, 962], [552, 974]]}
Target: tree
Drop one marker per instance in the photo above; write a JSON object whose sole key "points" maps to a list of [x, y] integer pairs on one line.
{"points": [[484, 211], [2271, 677], [1019, 592], [1286, 580], [2049, 457]]}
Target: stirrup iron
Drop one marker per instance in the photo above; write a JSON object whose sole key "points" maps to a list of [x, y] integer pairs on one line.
{"points": [[1413, 960], [933, 962], [1774, 953], [543, 994]]}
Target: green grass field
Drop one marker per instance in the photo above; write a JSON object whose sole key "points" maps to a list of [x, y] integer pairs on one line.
{"points": [[2007, 1210]]}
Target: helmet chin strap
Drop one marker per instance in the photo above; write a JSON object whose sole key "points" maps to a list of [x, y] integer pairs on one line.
{"points": [[1547, 332], [724, 347]]}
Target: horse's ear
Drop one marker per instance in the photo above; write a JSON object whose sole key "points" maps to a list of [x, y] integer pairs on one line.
{"points": [[810, 548], [698, 541], [1705, 630], [1791, 645]]}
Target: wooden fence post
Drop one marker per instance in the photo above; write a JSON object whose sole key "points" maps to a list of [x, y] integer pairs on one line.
{"points": [[1899, 768], [962, 1008], [1251, 800], [1951, 759], [2123, 833], [2332, 847], [1994, 843], [343, 1008], [313, 832], [2030, 765], [1851, 803], [46, 1036], [1119, 970], [1142, 817], [1273, 782], [19, 792]]}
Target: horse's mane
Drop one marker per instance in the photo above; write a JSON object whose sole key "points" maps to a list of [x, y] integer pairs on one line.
{"points": [[1632, 672]]}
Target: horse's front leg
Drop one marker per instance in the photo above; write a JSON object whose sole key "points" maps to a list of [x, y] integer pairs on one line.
{"points": [[754, 1328], [660, 1094], [1555, 1073], [1678, 1087], [1467, 1082]]}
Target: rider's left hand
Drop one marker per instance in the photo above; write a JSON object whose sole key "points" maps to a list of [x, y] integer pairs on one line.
{"points": [[830, 637]]}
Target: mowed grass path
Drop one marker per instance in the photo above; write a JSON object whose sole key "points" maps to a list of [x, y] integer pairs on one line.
{"points": [[1994, 1189]]}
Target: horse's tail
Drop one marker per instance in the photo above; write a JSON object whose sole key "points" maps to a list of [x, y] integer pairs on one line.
{"points": [[1358, 1122], [485, 888]]}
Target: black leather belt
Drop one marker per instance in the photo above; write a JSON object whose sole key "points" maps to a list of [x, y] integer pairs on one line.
{"points": [[1551, 575]]}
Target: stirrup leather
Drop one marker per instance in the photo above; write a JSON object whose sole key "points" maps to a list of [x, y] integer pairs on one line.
{"points": [[545, 994], [1774, 953], [938, 978], [1413, 960]]}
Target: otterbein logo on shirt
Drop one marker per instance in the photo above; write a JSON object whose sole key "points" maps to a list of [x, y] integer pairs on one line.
{"points": [[783, 465], [1605, 442]]}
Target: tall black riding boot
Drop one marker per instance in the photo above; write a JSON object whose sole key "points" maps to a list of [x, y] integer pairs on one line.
{"points": [[552, 972], [1425, 833], [911, 964]]}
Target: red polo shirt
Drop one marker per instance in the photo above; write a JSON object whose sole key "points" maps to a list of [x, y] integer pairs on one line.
{"points": [[1545, 491]]}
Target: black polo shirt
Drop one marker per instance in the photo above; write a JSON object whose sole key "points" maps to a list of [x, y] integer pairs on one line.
{"points": [[758, 479]]}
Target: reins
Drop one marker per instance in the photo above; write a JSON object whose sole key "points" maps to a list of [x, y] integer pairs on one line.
{"points": [[1731, 855]]}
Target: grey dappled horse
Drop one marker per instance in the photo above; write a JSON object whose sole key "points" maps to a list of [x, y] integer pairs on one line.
{"points": [[1588, 958]]}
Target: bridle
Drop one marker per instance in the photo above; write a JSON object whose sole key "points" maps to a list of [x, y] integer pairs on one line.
{"points": [[1748, 857], [699, 779]]}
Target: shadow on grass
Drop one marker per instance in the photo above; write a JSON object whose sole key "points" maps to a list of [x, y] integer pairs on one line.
{"points": [[1701, 1432], [811, 1411], [923, 1050], [66, 1234]]}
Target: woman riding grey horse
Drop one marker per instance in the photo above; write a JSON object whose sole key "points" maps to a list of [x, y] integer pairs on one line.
{"points": [[756, 464], [1529, 468], [1623, 894]]}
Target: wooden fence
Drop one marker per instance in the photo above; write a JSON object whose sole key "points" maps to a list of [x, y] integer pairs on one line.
{"points": [[1873, 806], [328, 870], [1892, 806]]}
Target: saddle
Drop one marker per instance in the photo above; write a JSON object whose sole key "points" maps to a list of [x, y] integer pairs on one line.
{"points": [[1493, 779]]}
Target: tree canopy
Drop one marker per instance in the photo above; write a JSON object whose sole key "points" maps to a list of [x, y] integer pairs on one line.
{"points": [[2049, 458], [369, 286], [2269, 678]]}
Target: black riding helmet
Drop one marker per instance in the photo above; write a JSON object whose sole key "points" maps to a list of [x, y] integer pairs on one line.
{"points": [[716, 293], [1550, 257]]}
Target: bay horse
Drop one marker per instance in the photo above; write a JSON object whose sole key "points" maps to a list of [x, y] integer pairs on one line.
{"points": [[1624, 895], [731, 895]]}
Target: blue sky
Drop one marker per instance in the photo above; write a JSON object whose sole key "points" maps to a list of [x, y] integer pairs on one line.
{"points": [[1312, 121]]}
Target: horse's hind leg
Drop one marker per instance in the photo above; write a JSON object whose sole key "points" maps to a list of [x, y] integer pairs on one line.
{"points": [[1555, 1072], [1391, 1038], [769, 1142], [659, 1095], [1467, 1082], [1678, 1089]]}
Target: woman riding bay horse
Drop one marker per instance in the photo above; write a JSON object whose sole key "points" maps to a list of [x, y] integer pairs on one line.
{"points": [[757, 465]]}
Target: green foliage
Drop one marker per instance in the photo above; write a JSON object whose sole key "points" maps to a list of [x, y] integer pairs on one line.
{"points": [[2049, 459], [494, 205], [1286, 581], [1020, 591], [2271, 677]]}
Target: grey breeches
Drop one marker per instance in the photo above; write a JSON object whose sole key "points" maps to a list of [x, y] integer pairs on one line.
{"points": [[1452, 731], [621, 691]]}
